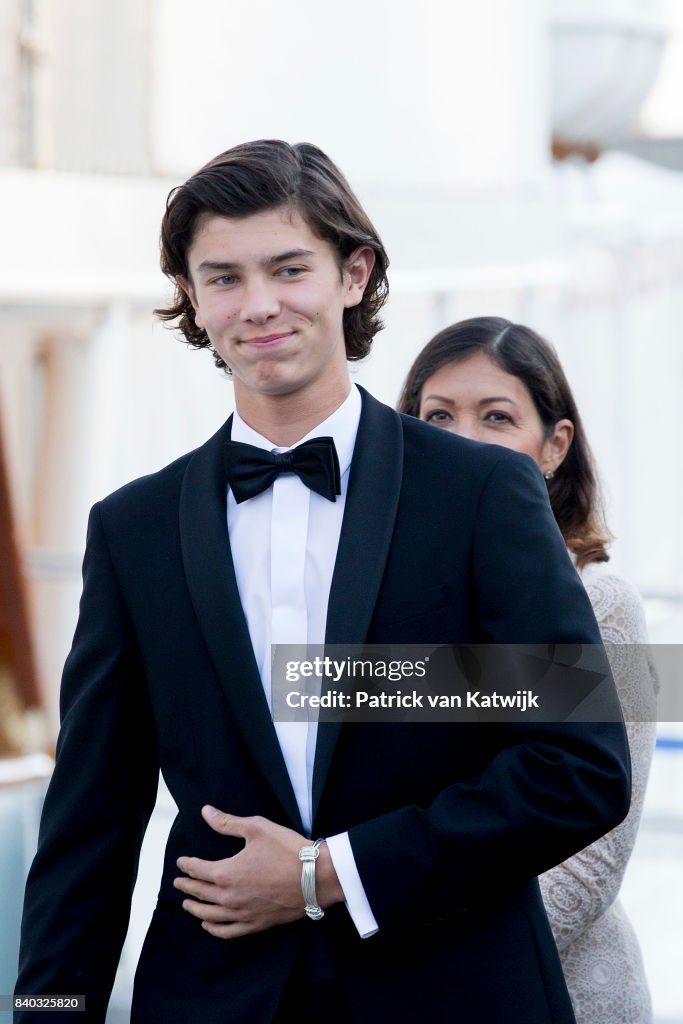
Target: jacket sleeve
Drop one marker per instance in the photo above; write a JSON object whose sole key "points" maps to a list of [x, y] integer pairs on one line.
{"points": [[551, 788], [101, 795]]}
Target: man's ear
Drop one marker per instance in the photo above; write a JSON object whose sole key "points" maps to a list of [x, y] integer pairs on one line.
{"points": [[187, 287], [357, 269]]}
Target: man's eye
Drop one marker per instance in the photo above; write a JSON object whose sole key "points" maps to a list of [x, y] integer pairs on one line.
{"points": [[224, 279], [291, 271]]}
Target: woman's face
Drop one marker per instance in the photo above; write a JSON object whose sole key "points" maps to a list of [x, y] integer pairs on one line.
{"points": [[477, 399]]}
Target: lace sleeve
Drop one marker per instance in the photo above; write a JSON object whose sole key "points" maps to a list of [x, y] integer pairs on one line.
{"points": [[580, 890]]}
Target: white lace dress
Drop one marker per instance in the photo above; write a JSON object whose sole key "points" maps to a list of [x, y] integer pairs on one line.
{"points": [[599, 951]]}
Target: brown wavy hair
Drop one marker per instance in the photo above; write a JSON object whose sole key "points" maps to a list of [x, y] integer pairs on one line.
{"points": [[574, 490], [263, 175]]}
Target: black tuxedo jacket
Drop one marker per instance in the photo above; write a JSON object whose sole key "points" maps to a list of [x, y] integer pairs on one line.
{"points": [[443, 540]]}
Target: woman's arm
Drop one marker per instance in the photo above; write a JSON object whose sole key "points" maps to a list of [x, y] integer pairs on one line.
{"points": [[578, 891]]}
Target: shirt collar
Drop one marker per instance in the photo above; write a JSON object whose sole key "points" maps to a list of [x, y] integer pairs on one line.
{"points": [[342, 425]]}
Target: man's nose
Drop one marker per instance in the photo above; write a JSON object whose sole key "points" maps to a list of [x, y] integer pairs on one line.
{"points": [[259, 302]]}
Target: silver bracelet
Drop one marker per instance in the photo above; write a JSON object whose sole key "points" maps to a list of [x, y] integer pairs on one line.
{"points": [[308, 855]]}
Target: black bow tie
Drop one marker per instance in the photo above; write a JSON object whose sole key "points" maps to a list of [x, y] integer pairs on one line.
{"points": [[251, 470]]}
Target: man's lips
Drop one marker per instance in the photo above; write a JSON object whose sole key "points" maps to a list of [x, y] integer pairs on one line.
{"points": [[266, 340]]}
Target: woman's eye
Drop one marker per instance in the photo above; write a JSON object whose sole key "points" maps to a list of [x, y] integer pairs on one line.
{"points": [[498, 417], [438, 416]]}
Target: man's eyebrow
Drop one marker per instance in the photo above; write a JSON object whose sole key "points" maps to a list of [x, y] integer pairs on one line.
{"points": [[268, 261], [290, 254]]}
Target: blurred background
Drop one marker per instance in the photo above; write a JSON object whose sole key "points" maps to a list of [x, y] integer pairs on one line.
{"points": [[519, 159]]}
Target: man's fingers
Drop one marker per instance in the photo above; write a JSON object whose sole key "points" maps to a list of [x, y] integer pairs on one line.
{"points": [[251, 891], [195, 867], [228, 931], [227, 824], [211, 912], [200, 890]]}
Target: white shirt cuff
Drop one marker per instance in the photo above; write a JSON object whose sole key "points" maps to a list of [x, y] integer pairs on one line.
{"points": [[344, 864]]}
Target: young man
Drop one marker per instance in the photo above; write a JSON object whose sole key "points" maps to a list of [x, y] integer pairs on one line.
{"points": [[390, 532]]}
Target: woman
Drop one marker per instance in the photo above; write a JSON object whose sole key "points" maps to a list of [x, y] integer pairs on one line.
{"points": [[491, 380]]}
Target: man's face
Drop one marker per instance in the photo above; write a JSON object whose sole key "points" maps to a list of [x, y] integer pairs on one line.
{"points": [[271, 295]]}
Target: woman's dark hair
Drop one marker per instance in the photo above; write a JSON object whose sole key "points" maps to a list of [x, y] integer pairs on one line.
{"points": [[574, 490], [264, 175]]}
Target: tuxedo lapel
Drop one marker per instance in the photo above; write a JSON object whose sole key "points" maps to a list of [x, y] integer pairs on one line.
{"points": [[367, 530], [210, 574]]}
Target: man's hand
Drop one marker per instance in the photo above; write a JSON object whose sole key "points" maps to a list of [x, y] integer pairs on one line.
{"points": [[259, 887]]}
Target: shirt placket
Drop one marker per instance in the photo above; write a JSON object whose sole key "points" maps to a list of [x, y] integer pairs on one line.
{"points": [[289, 625]]}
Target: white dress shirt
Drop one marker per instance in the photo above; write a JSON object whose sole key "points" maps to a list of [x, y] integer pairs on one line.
{"points": [[284, 544]]}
